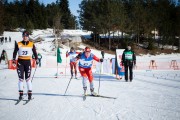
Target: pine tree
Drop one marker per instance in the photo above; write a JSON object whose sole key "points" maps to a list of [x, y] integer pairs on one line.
{"points": [[1, 17], [68, 20]]}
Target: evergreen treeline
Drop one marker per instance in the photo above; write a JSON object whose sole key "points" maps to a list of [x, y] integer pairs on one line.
{"points": [[31, 14], [137, 18]]}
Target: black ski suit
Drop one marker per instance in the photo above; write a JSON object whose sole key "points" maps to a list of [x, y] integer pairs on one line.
{"points": [[24, 62], [128, 61], [24, 50]]}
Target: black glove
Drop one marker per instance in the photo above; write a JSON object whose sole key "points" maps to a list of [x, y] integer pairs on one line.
{"points": [[37, 62], [14, 62], [78, 56], [134, 63], [101, 60]]}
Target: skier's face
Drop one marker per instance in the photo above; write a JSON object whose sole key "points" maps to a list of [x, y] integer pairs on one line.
{"points": [[129, 47], [87, 54], [25, 37]]}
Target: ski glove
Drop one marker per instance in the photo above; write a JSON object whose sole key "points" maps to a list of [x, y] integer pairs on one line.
{"points": [[37, 62], [101, 60], [78, 56], [14, 62]]}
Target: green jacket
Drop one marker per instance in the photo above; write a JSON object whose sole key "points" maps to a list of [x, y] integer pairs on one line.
{"points": [[128, 58]]}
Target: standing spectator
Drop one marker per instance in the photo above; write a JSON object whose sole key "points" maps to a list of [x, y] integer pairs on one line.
{"points": [[85, 67], [39, 59], [2, 40], [5, 39], [9, 39], [24, 48], [3, 55], [128, 61]]}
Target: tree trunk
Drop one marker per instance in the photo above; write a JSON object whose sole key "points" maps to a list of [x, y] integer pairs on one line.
{"points": [[109, 40], [118, 37], [179, 44], [99, 40], [122, 34]]}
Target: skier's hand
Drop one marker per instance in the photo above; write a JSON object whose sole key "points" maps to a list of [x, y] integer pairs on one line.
{"points": [[14, 63], [67, 52], [134, 66], [101, 60], [37, 62], [78, 56], [122, 64]]}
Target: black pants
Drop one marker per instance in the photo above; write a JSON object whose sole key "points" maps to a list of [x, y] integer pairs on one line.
{"points": [[130, 72], [24, 67]]}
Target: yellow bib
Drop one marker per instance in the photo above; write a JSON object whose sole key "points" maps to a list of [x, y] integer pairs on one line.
{"points": [[25, 51]]}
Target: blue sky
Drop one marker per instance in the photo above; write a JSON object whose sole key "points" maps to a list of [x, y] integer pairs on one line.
{"points": [[73, 5]]}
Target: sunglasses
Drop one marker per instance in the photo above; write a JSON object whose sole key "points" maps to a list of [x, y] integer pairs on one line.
{"points": [[25, 35], [87, 51]]}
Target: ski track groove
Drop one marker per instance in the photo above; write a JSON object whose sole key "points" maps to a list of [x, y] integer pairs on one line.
{"points": [[157, 76], [159, 83]]}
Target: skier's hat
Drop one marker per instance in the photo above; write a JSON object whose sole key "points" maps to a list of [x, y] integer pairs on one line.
{"points": [[72, 48], [87, 49], [129, 47], [25, 33]]}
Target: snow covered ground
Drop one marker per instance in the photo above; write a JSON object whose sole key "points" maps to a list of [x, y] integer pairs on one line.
{"points": [[153, 94]]}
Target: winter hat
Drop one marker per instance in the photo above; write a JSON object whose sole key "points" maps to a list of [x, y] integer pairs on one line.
{"points": [[72, 48], [87, 49], [25, 33]]}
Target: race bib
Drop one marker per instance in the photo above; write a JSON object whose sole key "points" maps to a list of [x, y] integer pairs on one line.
{"points": [[85, 63], [128, 56], [25, 51], [72, 56]]}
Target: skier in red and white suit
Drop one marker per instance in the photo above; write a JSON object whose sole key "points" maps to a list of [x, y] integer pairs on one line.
{"points": [[72, 54], [85, 67]]}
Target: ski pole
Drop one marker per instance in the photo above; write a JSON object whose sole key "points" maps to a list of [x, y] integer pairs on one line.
{"points": [[99, 79], [67, 86], [66, 67]]}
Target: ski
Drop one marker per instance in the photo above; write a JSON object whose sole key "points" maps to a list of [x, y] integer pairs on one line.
{"points": [[18, 101], [27, 101], [101, 96], [84, 97]]}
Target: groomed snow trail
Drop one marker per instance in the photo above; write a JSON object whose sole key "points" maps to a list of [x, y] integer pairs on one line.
{"points": [[145, 98]]}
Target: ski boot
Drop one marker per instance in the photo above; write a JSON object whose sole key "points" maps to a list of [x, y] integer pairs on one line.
{"points": [[85, 89], [20, 94], [29, 94], [92, 92]]}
